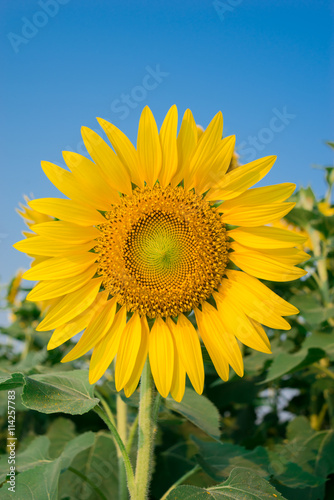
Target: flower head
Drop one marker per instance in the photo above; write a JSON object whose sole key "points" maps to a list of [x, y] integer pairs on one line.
{"points": [[154, 241]]}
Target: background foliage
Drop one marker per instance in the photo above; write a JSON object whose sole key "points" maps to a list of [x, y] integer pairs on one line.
{"points": [[267, 435]]}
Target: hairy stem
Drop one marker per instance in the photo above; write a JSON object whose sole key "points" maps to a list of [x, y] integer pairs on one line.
{"points": [[145, 435], [122, 430]]}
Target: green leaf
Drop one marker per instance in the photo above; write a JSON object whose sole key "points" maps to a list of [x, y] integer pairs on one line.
{"points": [[285, 362], [66, 392], [75, 446], [198, 410], [218, 459], [40, 475], [10, 381], [299, 429], [60, 432], [324, 341], [324, 224], [36, 454], [300, 217], [241, 485], [311, 450], [98, 463], [35, 484], [310, 308], [29, 363]]}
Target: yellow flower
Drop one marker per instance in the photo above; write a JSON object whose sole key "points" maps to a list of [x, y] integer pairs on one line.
{"points": [[306, 244], [14, 288], [325, 208], [32, 217], [144, 241]]}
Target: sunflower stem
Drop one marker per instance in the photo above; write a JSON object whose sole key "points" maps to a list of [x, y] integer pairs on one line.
{"points": [[126, 459], [145, 435], [132, 433], [121, 410]]}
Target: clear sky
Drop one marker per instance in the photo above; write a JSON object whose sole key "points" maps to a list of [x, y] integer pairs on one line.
{"points": [[265, 64]]}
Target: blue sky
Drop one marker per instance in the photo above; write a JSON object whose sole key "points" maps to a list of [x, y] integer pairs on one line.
{"points": [[266, 65]]}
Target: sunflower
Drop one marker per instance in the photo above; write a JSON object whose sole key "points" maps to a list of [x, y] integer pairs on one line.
{"points": [[30, 218], [158, 247]]}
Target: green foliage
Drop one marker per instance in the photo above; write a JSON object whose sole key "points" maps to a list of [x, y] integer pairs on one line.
{"points": [[241, 485], [266, 436], [198, 410], [68, 392]]}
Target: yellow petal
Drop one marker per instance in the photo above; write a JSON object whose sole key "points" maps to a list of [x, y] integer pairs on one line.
{"points": [[179, 380], [161, 354], [110, 165], [261, 196], [265, 264], [266, 296], [286, 255], [72, 187], [79, 323], [186, 145], [211, 172], [101, 194], [132, 383], [46, 290], [32, 216], [58, 268], [37, 260], [253, 306], [266, 237], [105, 351], [66, 231], [262, 334], [128, 351], [252, 216], [179, 376], [39, 245], [240, 179], [212, 345], [236, 322], [168, 147], [124, 148], [223, 338], [96, 330], [71, 306], [189, 349], [148, 147], [207, 142], [68, 210]]}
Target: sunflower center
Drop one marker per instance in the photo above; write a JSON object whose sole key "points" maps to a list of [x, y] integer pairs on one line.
{"points": [[162, 251]]}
